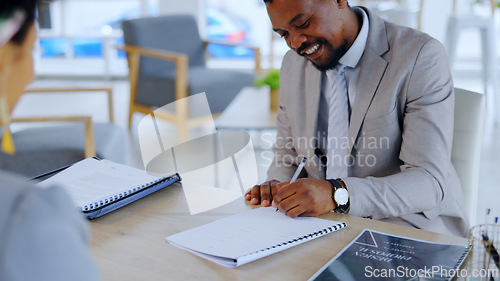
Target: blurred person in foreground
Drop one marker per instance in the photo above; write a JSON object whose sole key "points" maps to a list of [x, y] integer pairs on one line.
{"points": [[42, 235]]}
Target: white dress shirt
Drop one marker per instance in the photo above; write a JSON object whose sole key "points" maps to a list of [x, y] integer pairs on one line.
{"points": [[351, 60]]}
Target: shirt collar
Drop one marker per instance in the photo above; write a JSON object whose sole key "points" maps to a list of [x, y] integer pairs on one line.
{"points": [[353, 55]]}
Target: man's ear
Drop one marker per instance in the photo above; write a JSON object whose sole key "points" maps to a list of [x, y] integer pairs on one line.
{"points": [[342, 4]]}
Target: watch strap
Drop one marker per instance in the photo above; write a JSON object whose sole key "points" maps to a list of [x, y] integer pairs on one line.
{"points": [[335, 184]]}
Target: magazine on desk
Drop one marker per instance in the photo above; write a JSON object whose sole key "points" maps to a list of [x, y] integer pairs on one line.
{"points": [[99, 186], [376, 255]]}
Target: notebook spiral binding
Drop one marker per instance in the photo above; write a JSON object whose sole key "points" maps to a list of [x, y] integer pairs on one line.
{"points": [[463, 257], [118, 196], [305, 237]]}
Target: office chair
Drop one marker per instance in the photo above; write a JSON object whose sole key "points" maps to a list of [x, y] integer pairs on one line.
{"points": [[467, 139], [166, 57], [56, 141], [398, 11]]}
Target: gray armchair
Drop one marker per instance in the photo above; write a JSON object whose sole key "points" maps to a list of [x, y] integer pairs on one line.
{"points": [[166, 57], [57, 141]]}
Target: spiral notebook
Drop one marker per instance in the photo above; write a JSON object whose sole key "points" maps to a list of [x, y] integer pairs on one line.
{"points": [[251, 235], [99, 186], [376, 255]]}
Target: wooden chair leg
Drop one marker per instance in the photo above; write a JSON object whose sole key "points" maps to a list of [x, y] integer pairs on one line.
{"points": [[133, 60], [130, 113], [183, 133], [182, 115], [181, 97]]}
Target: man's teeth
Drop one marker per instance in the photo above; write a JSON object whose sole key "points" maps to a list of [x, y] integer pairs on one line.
{"points": [[312, 50]]}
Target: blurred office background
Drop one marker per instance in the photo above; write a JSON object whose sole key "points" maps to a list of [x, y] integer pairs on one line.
{"points": [[78, 39]]}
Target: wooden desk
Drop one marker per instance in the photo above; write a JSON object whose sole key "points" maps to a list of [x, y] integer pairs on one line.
{"points": [[129, 244]]}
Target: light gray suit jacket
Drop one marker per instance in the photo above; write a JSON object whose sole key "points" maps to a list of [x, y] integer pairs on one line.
{"points": [[400, 132], [42, 235]]}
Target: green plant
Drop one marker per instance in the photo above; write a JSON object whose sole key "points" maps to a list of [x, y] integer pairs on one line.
{"points": [[479, 1], [272, 79]]}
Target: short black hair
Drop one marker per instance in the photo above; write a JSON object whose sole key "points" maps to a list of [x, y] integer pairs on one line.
{"points": [[271, 1], [8, 7]]}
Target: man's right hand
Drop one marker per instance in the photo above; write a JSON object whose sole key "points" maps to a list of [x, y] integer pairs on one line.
{"points": [[264, 193]]}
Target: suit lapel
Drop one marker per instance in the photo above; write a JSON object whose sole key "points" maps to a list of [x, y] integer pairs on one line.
{"points": [[372, 69], [369, 80]]}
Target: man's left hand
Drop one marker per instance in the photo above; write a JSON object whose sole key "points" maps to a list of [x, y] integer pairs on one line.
{"points": [[305, 197]]}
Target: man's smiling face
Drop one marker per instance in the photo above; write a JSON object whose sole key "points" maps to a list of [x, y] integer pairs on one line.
{"points": [[315, 29]]}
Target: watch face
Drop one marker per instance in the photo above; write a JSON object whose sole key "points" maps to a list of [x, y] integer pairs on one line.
{"points": [[341, 196]]}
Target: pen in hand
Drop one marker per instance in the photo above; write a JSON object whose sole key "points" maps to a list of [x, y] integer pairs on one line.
{"points": [[297, 172]]}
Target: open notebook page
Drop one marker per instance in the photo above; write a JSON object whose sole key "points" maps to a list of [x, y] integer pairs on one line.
{"points": [[251, 235], [92, 180]]}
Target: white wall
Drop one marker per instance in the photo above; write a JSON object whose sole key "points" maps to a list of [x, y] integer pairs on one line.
{"points": [[435, 17], [192, 7]]}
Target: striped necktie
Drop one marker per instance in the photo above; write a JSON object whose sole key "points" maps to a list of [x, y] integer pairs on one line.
{"points": [[338, 124]]}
